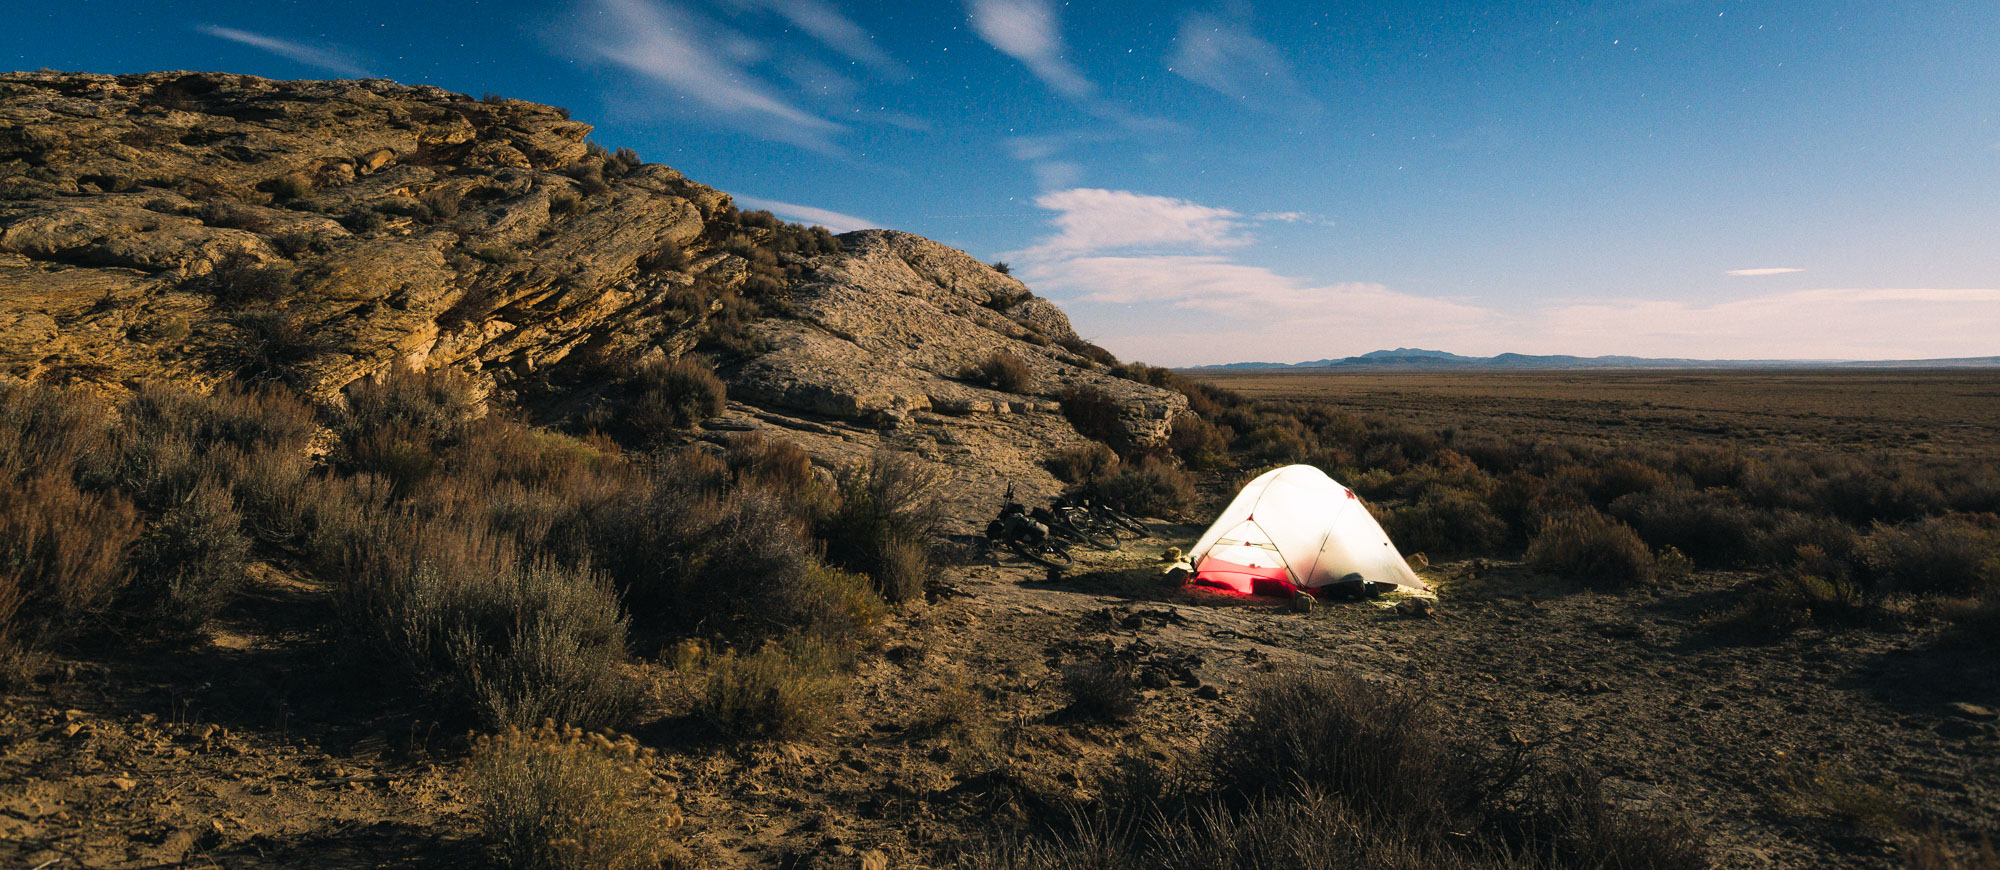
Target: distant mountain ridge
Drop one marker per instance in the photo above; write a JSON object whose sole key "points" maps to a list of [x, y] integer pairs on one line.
{"points": [[1418, 359]]}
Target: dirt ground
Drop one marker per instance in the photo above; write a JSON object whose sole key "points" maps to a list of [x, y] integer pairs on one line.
{"points": [[264, 746]]}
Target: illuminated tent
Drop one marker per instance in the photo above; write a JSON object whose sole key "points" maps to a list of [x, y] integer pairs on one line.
{"points": [[1292, 529]]}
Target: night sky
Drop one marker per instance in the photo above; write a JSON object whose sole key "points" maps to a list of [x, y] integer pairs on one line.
{"points": [[1214, 182]]}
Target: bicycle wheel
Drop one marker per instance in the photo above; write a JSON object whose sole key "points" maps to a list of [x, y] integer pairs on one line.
{"points": [[1102, 536], [1047, 553]]}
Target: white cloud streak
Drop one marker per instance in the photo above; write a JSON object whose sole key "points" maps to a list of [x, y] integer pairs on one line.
{"points": [[1155, 278], [826, 23], [832, 220], [703, 63], [1227, 58], [1026, 30], [319, 58], [1756, 272], [1090, 219]]}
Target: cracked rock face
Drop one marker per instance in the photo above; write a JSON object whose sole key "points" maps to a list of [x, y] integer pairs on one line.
{"points": [[153, 225]]}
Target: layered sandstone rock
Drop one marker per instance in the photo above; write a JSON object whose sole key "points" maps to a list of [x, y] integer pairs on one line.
{"points": [[152, 226]]}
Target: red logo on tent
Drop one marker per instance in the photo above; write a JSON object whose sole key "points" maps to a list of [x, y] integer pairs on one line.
{"points": [[1350, 493]]}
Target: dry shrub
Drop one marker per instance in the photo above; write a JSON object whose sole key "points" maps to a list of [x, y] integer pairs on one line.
{"points": [[1079, 346], [1794, 599], [887, 515], [1152, 487], [1591, 548], [398, 425], [169, 439], [1933, 850], [453, 604], [1274, 445], [190, 563], [1100, 691], [241, 279], [1581, 829], [276, 344], [1710, 526], [1089, 463], [1838, 544], [1328, 771], [1095, 415], [1303, 829], [958, 715], [1003, 371], [565, 799], [675, 395], [1198, 442], [902, 569], [1952, 555], [1372, 748], [1446, 523], [44, 429], [1827, 791], [788, 689], [776, 463], [62, 557], [1623, 477], [434, 406]]}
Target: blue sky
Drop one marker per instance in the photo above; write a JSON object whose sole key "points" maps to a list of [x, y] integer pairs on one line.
{"points": [[1216, 181]]}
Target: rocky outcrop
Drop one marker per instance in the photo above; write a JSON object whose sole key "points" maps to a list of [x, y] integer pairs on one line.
{"points": [[190, 226]]}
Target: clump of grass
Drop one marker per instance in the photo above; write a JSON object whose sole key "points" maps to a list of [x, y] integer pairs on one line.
{"points": [[1951, 555], [1932, 850], [1446, 523], [1003, 371], [241, 280], [1795, 598], [1094, 415], [191, 562], [1100, 691], [1710, 526], [1197, 442], [1583, 830], [1368, 746], [1151, 487], [276, 344], [888, 513], [453, 604], [62, 557], [674, 395], [557, 798], [1824, 791], [787, 689], [775, 463], [1091, 462], [1591, 548]]}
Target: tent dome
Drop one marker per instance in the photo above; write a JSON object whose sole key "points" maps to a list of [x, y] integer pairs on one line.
{"points": [[1295, 527]]}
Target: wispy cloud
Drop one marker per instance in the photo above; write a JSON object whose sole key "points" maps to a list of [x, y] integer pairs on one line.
{"points": [[832, 220], [1136, 270], [1755, 272], [1227, 58], [1090, 220], [1292, 217], [705, 63], [329, 59], [1133, 258], [1026, 30], [827, 24]]}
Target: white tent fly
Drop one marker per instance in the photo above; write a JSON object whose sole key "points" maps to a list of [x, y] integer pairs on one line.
{"points": [[1295, 527]]}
